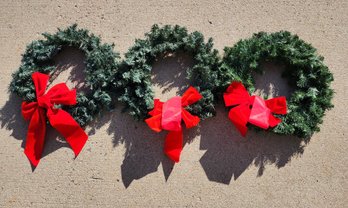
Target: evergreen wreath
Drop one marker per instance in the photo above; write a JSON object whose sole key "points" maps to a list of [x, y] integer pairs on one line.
{"points": [[134, 79], [305, 72], [101, 64]]}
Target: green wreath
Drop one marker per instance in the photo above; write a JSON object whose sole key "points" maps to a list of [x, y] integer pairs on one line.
{"points": [[134, 79], [101, 64], [305, 72]]}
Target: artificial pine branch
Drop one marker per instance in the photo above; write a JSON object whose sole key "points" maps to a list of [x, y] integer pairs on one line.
{"points": [[101, 65]]}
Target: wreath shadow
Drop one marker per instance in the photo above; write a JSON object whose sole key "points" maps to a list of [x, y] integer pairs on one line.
{"points": [[228, 154], [144, 147], [70, 65]]}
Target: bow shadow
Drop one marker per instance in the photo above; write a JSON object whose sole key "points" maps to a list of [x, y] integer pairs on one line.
{"points": [[70, 65], [229, 154]]}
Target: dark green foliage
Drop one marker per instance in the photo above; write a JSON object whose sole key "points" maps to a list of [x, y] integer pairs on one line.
{"points": [[134, 79], [101, 65], [305, 71], [105, 76]]}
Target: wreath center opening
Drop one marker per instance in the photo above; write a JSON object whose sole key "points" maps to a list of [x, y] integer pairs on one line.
{"points": [[70, 69], [169, 74], [270, 83]]}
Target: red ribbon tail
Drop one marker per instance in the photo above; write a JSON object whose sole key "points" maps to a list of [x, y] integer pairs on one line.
{"points": [[36, 136], [239, 116], [65, 124], [173, 145]]}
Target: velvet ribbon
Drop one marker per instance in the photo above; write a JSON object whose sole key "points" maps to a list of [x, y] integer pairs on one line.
{"points": [[63, 122], [168, 116], [252, 109]]}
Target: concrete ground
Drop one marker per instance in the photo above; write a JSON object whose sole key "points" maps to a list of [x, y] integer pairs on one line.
{"points": [[122, 164]]}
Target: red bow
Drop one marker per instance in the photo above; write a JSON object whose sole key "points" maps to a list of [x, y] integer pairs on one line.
{"points": [[168, 116], [252, 109], [58, 118]]}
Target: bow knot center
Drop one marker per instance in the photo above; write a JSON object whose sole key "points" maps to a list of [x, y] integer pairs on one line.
{"points": [[44, 102], [171, 114], [260, 113]]}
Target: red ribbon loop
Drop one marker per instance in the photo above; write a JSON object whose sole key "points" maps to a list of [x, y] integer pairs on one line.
{"points": [[252, 109], [63, 122], [168, 116]]}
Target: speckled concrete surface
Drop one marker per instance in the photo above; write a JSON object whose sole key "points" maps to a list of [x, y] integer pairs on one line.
{"points": [[122, 164]]}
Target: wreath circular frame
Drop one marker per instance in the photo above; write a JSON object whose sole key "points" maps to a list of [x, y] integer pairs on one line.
{"points": [[134, 78], [101, 63], [305, 71]]}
